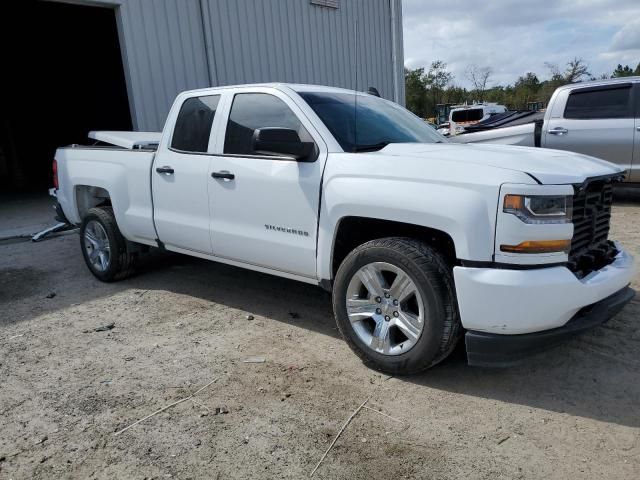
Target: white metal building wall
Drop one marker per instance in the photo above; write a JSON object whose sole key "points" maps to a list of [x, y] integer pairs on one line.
{"points": [[174, 45]]}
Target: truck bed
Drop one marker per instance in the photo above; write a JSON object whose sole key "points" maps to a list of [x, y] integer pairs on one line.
{"points": [[124, 173]]}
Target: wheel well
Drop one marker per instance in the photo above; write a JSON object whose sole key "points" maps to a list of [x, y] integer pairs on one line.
{"points": [[354, 231], [88, 197]]}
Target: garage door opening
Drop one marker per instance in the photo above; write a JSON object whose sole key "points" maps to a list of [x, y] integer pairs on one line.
{"points": [[62, 77]]}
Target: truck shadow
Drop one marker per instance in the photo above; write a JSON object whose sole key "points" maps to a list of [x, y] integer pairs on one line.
{"points": [[571, 378], [307, 306]]}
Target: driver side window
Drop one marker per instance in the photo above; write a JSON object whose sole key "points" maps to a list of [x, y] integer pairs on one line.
{"points": [[251, 111]]}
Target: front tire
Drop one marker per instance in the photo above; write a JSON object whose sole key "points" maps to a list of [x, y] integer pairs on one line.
{"points": [[394, 303], [103, 247]]}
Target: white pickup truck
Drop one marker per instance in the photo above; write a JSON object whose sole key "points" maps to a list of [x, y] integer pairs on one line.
{"points": [[421, 241]]}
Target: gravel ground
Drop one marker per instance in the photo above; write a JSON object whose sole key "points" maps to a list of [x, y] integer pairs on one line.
{"points": [[66, 389]]}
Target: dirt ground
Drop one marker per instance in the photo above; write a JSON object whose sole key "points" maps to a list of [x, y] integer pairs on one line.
{"points": [[65, 389]]}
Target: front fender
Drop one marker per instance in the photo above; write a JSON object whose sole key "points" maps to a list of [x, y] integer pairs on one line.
{"points": [[467, 215]]}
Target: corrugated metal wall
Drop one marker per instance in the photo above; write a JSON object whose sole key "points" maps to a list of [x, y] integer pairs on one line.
{"points": [[164, 53], [295, 41], [175, 45]]}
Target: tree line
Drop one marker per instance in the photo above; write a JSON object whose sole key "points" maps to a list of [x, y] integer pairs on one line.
{"points": [[428, 87]]}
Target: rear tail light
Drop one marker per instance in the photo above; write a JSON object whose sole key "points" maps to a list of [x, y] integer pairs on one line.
{"points": [[55, 174]]}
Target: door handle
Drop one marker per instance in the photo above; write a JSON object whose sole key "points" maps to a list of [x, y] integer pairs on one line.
{"points": [[558, 131], [223, 174], [166, 169]]}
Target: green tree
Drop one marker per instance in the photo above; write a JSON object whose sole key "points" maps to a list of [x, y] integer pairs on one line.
{"points": [[436, 81], [428, 87], [416, 91], [529, 80], [625, 71]]}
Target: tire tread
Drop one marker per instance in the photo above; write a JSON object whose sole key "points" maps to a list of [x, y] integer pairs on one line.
{"points": [[124, 261], [434, 265]]}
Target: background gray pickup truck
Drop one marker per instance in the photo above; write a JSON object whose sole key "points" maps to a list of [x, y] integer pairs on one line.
{"points": [[600, 118]]}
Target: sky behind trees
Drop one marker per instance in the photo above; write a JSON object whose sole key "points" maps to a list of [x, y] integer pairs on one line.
{"points": [[513, 37]]}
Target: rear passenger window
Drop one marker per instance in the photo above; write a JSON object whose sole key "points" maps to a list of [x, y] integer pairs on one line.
{"points": [[193, 125], [604, 103], [251, 111]]}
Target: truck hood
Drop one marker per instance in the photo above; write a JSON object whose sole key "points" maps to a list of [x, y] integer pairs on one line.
{"points": [[547, 166]]}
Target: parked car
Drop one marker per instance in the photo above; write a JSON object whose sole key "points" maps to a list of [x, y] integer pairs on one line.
{"points": [[464, 116], [420, 241], [601, 119]]}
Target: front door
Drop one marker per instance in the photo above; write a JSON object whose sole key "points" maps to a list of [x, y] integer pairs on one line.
{"points": [[264, 208], [180, 178], [596, 121]]}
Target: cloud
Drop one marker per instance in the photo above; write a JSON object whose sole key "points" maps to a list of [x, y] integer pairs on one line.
{"points": [[515, 37], [628, 37]]}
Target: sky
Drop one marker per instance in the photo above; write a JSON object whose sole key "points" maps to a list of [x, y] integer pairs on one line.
{"points": [[514, 37]]}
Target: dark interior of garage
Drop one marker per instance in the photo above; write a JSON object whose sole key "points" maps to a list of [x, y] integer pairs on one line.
{"points": [[62, 76]]}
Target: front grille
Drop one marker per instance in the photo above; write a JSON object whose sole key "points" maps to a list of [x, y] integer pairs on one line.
{"points": [[590, 246]]}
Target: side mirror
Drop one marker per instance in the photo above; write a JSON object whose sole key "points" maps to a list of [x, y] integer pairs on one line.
{"points": [[281, 141]]}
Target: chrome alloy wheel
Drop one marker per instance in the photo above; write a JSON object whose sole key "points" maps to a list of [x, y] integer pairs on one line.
{"points": [[96, 243], [385, 308]]}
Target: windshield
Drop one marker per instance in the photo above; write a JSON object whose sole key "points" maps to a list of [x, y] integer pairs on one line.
{"points": [[379, 122]]}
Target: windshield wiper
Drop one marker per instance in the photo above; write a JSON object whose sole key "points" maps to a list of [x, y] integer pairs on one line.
{"points": [[374, 147]]}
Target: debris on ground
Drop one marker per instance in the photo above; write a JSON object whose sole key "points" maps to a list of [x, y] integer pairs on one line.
{"points": [[220, 411], [165, 408], [254, 360], [105, 328], [335, 439], [51, 295], [294, 315], [250, 317], [504, 439]]}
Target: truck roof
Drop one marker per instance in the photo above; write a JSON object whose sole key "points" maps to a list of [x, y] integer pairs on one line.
{"points": [[298, 87], [595, 83]]}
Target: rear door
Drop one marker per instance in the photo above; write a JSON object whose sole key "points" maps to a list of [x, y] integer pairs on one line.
{"points": [[597, 121], [180, 177], [266, 212]]}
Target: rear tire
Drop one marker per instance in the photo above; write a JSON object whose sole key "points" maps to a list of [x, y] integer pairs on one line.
{"points": [[103, 247], [394, 303]]}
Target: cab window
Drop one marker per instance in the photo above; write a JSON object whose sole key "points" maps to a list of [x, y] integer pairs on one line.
{"points": [[600, 103], [193, 125], [251, 111]]}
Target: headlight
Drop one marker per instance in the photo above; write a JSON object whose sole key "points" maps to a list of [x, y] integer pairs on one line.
{"points": [[539, 208]]}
